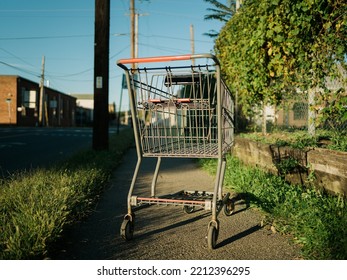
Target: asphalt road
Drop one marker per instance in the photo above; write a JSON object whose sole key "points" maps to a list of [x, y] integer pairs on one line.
{"points": [[31, 147], [167, 232]]}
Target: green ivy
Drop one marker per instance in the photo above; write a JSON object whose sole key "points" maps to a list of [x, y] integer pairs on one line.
{"points": [[271, 46]]}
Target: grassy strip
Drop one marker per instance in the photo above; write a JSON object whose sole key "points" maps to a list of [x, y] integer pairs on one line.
{"points": [[36, 206], [300, 139], [317, 221]]}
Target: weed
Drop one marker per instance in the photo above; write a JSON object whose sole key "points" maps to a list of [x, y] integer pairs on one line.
{"points": [[339, 142], [287, 165], [315, 219]]}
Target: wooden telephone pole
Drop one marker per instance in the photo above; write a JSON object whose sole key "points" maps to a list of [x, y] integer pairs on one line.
{"points": [[42, 95], [132, 31], [192, 42], [101, 74]]}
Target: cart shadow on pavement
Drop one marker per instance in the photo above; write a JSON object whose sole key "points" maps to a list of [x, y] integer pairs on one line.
{"points": [[238, 236], [173, 226], [242, 203], [240, 199]]}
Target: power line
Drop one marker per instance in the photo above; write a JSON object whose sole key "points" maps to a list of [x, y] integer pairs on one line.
{"points": [[173, 38], [15, 56], [20, 69], [164, 48], [118, 53], [176, 15], [45, 10], [73, 74], [87, 70], [44, 37], [53, 77]]}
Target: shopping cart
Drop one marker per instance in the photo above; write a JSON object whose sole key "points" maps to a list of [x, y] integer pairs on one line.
{"points": [[180, 112]]}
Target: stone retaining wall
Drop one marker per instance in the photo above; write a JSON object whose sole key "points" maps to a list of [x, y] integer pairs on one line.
{"points": [[324, 168]]}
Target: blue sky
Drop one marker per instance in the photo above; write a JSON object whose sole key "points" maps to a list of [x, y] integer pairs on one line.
{"points": [[63, 32]]}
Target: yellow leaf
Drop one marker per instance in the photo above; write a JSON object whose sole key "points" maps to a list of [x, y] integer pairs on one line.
{"points": [[269, 51]]}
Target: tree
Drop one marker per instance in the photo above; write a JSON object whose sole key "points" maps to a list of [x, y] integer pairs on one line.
{"points": [[271, 46], [220, 12]]}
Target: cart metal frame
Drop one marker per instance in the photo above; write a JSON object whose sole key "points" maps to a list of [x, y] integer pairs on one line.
{"points": [[180, 111]]}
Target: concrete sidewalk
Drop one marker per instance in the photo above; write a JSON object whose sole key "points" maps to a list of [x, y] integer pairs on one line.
{"points": [[167, 232]]}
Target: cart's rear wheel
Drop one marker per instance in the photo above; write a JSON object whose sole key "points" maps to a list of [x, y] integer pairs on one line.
{"points": [[188, 209], [212, 236], [127, 229], [229, 208]]}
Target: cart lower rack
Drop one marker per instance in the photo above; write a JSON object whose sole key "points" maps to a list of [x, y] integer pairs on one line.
{"points": [[180, 111], [190, 200]]}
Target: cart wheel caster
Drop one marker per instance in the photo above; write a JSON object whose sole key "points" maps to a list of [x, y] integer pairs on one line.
{"points": [[229, 208], [188, 209], [127, 228], [212, 236]]}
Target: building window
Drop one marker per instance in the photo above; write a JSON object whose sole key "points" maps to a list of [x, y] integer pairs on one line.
{"points": [[300, 110], [29, 98]]}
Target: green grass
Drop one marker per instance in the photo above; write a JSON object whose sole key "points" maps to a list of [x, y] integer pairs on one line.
{"points": [[300, 139], [36, 206], [317, 221]]}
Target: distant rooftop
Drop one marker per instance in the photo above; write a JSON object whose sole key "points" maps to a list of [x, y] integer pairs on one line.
{"points": [[86, 96]]}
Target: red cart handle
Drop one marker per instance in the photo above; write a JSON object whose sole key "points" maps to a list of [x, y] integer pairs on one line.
{"points": [[165, 58], [154, 59]]}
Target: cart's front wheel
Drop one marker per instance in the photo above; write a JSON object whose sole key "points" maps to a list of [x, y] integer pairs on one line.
{"points": [[127, 229], [188, 209], [212, 236]]}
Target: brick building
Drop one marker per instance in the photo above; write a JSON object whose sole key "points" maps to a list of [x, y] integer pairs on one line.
{"points": [[20, 104]]}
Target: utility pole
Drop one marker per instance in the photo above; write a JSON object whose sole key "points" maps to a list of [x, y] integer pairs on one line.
{"points": [[132, 31], [135, 51], [101, 74], [136, 32], [192, 46], [42, 93]]}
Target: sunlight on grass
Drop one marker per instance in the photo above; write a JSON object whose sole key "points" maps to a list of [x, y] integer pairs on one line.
{"points": [[36, 206]]}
